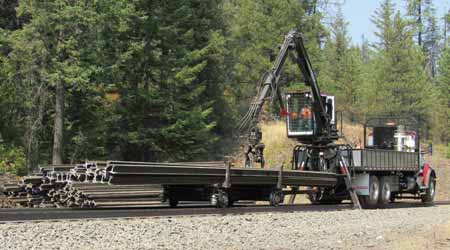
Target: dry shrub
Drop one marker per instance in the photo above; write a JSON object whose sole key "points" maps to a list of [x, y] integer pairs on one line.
{"points": [[278, 146], [353, 134]]}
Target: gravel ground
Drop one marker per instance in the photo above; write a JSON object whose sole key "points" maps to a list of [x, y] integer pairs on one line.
{"points": [[347, 229]]}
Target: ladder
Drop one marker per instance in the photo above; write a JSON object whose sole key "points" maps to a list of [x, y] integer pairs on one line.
{"points": [[348, 182]]}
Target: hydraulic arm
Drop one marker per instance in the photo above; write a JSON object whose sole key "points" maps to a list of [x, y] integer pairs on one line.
{"points": [[270, 89]]}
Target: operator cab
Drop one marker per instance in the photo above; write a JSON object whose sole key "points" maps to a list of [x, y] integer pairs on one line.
{"points": [[300, 119]]}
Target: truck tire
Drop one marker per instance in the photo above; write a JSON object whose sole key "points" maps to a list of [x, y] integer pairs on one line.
{"points": [[371, 200], [430, 192], [385, 192]]}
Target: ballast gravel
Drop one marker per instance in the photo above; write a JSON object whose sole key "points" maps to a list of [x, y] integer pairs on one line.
{"points": [[347, 229]]}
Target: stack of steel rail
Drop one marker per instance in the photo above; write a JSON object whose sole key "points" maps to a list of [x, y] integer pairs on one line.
{"points": [[83, 185], [55, 185], [102, 195], [220, 184], [27, 193], [123, 173], [114, 169]]}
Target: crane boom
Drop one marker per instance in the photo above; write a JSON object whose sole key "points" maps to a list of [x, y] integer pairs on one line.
{"points": [[270, 89]]}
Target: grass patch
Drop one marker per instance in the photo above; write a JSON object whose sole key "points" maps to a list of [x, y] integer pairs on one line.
{"points": [[278, 146]]}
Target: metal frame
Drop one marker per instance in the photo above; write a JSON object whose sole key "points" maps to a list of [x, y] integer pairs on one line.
{"points": [[410, 122], [382, 121], [384, 160]]}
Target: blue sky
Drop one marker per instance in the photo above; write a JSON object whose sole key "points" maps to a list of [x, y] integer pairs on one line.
{"points": [[359, 12]]}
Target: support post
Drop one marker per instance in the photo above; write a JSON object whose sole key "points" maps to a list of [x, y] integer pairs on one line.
{"points": [[226, 183], [348, 181], [280, 178]]}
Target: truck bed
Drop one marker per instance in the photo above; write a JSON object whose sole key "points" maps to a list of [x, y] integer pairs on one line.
{"points": [[384, 160]]}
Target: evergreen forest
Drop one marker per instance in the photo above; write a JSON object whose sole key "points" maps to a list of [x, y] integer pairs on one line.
{"points": [[168, 80]]}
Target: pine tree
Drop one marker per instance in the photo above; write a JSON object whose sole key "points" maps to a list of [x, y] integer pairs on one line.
{"points": [[47, 54], [341, 74], [415, 9], [398, 81], [169, 80], [365, 50], [446, 27], [431, 39], [8, 18], [423, 20], [443, 80], [255, 31]]}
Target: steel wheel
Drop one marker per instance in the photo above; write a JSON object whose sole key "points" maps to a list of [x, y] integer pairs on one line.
{"points": [[223, 200], [173, 203], [220, 199], [276, 197]]}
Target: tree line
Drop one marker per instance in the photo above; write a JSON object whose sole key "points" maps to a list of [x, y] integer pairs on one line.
{"points": [[167, 80]]}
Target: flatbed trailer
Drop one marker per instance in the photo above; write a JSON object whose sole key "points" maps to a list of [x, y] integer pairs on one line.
{"points": [[221, 185]]}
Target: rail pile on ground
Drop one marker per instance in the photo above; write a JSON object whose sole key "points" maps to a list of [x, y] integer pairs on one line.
{"points": [[28, 192], [86, 186], [103, 195]]}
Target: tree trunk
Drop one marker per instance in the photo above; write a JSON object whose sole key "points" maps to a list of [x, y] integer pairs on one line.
{"points": [[419, 20], [59, 127]]}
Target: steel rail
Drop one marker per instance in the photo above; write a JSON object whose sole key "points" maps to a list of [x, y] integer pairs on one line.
{"points": [[182, 175], [45, 214]]}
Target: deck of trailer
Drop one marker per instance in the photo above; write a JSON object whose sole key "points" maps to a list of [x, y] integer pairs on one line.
{"points": [[182, 174]]}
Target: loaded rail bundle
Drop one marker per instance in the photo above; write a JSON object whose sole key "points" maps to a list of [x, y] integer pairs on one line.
{"points": [[221, 184]]}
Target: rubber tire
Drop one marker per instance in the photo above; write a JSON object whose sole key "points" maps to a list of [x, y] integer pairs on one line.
{"points": [[275, 198], [385, 192], [431, 191], [371, 200]]}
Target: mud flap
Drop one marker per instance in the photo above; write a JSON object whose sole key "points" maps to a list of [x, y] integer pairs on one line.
{"points": [[423, 181], [360, 184]]}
